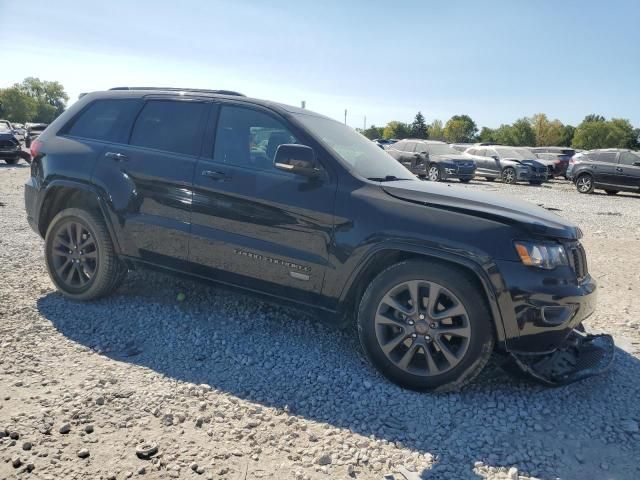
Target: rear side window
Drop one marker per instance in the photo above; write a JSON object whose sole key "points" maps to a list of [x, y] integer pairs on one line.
{"points": [[170, 125], [104, 120], [627, 158], [607, 157]]}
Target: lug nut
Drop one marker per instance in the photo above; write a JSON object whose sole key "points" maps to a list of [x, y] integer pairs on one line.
{"points": [[413, 335], [421, 316], [427, 338], [410, 322], [433, 325]]}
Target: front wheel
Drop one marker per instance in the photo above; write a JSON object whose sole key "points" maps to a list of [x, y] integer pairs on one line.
{"points": [[80, 256], [434, 173], [584, 183], [425, 326], [509, 175]]}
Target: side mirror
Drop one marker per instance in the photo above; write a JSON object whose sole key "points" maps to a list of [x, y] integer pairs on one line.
{"points": [[298, 159], [495, 157], [636, 164]]}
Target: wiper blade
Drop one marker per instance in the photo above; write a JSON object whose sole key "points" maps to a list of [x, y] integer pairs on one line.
{"points": [[387, 178]]}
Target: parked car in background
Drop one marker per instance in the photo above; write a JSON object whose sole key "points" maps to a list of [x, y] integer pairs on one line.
{"points": [[10, 147], [612, 170], [434, 160], [560, 156], [384, 142], [511, 164], [33, 131], [461, 147]]}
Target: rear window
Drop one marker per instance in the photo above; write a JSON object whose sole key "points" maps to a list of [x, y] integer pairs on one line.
{"points": [[102, 120], [174, 126]]}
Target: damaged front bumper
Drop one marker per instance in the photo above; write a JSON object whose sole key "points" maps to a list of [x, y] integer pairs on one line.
{"points": [[581, 356]]}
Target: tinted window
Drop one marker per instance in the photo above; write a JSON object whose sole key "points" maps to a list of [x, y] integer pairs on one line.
{"points": [[409, 146], [420, 147], [103, 120], [249, 138], [627, 158], [174, 126], [607, 157]]}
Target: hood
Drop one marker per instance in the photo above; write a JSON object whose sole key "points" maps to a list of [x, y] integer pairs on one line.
{"points": [[503, 209]]}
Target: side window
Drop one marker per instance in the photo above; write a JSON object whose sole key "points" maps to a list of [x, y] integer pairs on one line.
{"points": [[472, 151], [398, 146], [249, 138], [606, 157], [170, 125], [627, 158], [420, 147], [103, 120], [409, 146]]}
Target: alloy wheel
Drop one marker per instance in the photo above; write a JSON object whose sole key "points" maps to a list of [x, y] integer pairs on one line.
{"points": [[422, 328], [509, 175], [584, 184], [74, 255], [434, 173]]}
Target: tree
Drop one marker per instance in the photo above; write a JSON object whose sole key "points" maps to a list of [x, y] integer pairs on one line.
{"points": [[15, 106], [435, 130], [519, 134], [621, 128], [546, 132], [418, 128], [487, 135], [593, 118], [373, 132], [567, 136], [45, 93], [460, 129], [395, 129]]}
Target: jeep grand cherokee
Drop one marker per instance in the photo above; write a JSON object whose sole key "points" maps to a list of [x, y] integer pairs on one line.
{"points": [[300, 208]]}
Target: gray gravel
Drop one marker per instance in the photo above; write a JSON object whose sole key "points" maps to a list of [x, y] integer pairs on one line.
{"points": [[226, 386]]}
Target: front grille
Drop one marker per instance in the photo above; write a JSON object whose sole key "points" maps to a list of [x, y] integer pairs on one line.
{"points": [[550, 167], [578, 260], [7, 144]]}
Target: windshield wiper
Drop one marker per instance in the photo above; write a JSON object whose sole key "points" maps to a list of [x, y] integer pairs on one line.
{"points": [[387, 178]]}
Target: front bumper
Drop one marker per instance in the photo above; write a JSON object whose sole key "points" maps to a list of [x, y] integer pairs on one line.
{"points": [[581, 356], [530, 176], [10, 153], [453, 172]]}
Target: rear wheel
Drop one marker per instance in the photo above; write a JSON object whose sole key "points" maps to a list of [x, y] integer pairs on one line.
{"points": [[509, 175], [584, 183], [425, 326], [612, 192], [434, 173], [80, 256]]}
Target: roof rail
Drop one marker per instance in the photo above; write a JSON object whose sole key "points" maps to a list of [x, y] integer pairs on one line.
{"points": [[174, 89]]}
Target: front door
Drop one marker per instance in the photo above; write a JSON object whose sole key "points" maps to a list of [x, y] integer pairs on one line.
{"points": [[254, 225], [628, 171], [151, 178], [604, 166]]}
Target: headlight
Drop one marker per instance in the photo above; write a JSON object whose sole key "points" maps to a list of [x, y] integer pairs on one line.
{"points": [[542, 255]]}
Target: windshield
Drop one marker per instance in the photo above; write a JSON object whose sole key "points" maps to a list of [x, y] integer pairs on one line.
{"points": [[441, 149], [359, 154], [517, 153], [4, 127]]}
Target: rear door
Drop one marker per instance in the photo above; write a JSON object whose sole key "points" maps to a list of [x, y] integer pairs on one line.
{"points": [[628, 171], [150, 179], [603, 166], [254, 225]]}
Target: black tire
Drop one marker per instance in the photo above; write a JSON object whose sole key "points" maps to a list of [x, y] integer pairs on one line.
{"points": [[584, 183], [434, 173], [106, 271], [490, 179], [479, 342], [612, 192], [509, 175], [12, 161]]}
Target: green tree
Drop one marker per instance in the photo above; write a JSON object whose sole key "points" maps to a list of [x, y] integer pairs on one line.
{"points": [[16, 106], [50, 97], [596, 132], [460, 129], [621, 128], [593, 118], [546, 132], [418, 128], [435, 130], [373, 132], [520, 133], [395, 129], [567, 136], [487, 135]]}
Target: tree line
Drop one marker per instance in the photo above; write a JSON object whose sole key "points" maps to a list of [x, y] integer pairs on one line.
{"points": [[32, 100], [593, 132]]}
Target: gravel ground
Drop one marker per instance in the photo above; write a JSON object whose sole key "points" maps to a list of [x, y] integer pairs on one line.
{"points": [[228, 387]]}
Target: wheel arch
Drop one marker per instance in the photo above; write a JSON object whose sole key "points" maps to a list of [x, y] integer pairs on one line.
{"points": [[382, 258], [62, 194]]}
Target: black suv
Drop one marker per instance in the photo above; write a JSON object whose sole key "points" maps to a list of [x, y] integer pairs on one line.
{"points": [[298, 207], [434, 160], [10, 147], [611, 169]]}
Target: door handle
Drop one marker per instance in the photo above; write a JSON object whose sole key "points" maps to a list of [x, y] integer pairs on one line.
{"points": [[215, 175], [118, 157], [619, 169]]}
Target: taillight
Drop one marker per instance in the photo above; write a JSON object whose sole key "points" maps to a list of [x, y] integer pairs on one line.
{"points": [[36, 145]]}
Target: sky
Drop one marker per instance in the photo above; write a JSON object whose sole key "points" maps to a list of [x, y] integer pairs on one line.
{"points": [[493, 60]]}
